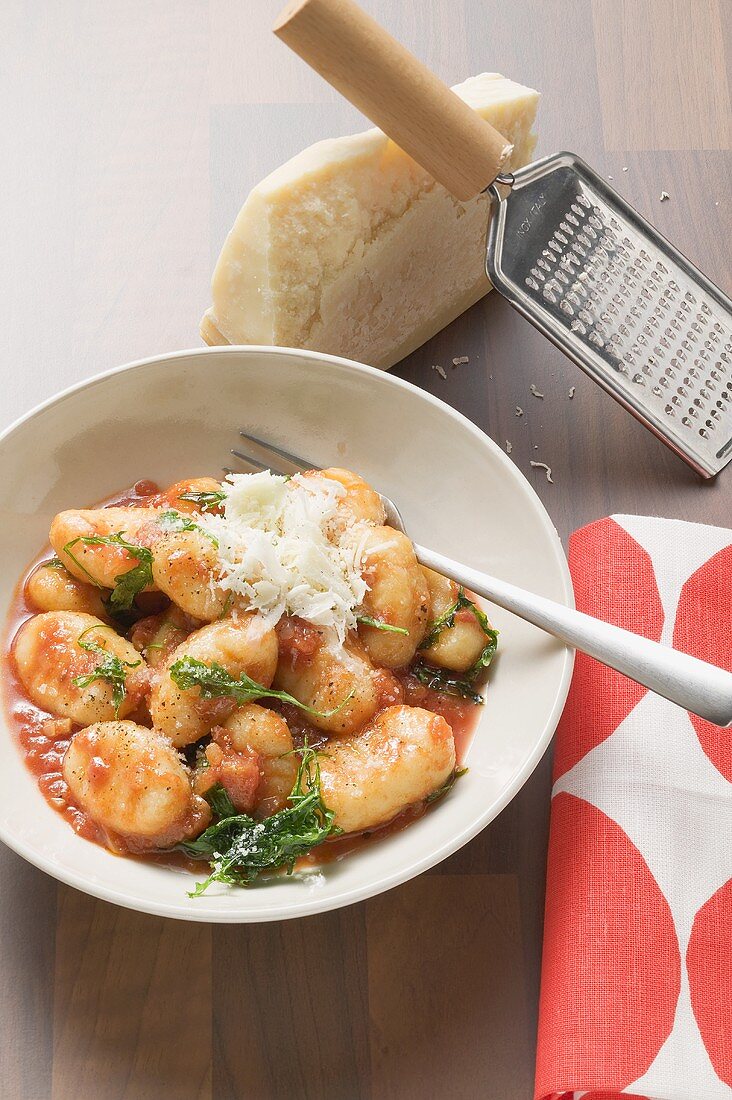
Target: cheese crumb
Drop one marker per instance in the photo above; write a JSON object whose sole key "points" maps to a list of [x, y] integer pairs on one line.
{"points": [[460, 359], [277, 549], [440, 370], [543, 466], [665, 196], [571, 392], [509, 447], [535, 392], [519, 411]]}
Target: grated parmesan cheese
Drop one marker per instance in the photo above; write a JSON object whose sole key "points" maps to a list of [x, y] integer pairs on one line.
{"points": [[279, 549]]}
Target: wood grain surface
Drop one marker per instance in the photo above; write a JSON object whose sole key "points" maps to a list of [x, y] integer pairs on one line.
{"points": [[132, 133]]}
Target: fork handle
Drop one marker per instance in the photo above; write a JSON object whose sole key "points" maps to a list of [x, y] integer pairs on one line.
{"points": [[396, 91], [696, 686]]}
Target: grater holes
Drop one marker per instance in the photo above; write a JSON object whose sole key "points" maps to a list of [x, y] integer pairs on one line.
{"points": [[635, 314]]}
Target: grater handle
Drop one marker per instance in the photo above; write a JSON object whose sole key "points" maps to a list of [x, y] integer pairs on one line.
{"points": [[696, 686], [397, 92]]}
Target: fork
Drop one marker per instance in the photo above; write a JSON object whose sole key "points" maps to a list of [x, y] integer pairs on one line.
{"points": [[701, 688]]}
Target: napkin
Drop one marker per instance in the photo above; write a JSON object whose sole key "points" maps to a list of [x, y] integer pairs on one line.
{"points": [[636, 993]]}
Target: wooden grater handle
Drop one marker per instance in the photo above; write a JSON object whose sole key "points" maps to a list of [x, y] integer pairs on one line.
{"points": [[396, 91]]}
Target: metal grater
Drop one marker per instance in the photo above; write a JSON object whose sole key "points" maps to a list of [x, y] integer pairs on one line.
{"points": [[616, 297]]}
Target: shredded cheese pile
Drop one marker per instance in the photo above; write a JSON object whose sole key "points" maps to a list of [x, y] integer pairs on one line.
{"points": [[279, 549]]}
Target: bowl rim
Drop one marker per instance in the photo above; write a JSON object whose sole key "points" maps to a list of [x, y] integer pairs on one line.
{"points": [[308, 906]]}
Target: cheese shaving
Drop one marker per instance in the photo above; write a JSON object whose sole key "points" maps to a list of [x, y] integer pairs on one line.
{"points": [[280, 550]]}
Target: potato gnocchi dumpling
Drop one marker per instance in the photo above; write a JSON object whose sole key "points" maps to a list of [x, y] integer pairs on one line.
{"points": [[398, 596], [185, 568], [100, 562], [361, 504], [133, 784], [256, 729], [246, 645], [224, 669], [400, 758], [459, 646], [57, 652], [336, 682], [51, 587]]}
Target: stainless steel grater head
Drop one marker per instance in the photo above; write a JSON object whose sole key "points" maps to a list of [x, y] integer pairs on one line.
{"points": [[616, 297]]}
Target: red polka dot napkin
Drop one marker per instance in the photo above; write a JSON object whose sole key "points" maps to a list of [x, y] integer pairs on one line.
{"points": [[636, 996]]}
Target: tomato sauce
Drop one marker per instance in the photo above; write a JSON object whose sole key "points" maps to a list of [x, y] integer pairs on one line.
{"points": [[43, 739]]}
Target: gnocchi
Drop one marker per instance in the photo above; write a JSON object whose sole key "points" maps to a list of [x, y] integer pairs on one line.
{"points": [[57, 655], [458, 646], [51, 587], [100, 562], [336, 683], [256, 729], [184, 569], [361, 504], [400, 758], [133, 784], [246, 645], [398, 596]]}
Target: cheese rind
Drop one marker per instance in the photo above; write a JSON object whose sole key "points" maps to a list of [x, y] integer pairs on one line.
{"points": [[351, 248]]}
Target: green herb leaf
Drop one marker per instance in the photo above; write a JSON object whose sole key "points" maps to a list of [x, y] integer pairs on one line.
{"points": [[379, 624], [176, 521], [228, 604], [53, 563], [207, 502], [446, 786], [112, 669], [214, 682], [239, 848], [441, 679], [219, 800], [487, 655], [127, 585]]}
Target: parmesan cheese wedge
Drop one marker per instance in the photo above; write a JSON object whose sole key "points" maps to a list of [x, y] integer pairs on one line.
{"points": [[351, 248]]}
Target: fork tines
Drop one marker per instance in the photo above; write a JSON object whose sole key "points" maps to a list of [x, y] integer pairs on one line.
{"points": [[272, 454]]}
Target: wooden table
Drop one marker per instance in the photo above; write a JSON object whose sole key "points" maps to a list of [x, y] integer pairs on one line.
{"points": [[135, 131]]}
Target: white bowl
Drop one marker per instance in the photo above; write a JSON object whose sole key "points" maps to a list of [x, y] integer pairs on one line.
{"points": [[177, 415]]}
